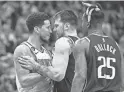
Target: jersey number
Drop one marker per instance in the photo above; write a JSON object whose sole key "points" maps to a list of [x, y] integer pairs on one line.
{"points": [[106, 64]]}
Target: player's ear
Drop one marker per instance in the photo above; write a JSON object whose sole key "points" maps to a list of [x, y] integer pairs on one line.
{"points": [[66, 26], [36, 29]]}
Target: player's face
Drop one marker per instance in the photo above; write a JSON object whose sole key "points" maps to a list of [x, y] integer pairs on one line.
{"points": [[59, 27], [45, 31]]}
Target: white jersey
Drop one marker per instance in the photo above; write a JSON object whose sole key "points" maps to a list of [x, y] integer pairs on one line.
{"points": [[45, 84]]}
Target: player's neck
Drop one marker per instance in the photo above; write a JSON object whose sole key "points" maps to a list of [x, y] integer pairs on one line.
{"points": [[97, 30], [35, 41], [71, 33]]}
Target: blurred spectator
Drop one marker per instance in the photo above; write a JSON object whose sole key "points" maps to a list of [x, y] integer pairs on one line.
{"points": [[121, 44], [2, 44]]}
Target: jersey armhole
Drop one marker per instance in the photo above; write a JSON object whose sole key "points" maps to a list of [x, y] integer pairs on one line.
{"points": [[71, 42], [87, 39], [30, 48]]}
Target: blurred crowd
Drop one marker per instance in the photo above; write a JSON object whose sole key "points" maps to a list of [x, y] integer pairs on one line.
{"points": [[13, 29]]}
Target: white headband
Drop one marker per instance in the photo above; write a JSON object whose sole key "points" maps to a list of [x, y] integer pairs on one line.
{"points": [[89, 12]]}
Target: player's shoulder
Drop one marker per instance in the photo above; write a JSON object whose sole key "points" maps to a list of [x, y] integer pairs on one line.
{"points": [[111, 40], [82, 44], [62, 43], [20, 49], [62, 39], [84, 40]]}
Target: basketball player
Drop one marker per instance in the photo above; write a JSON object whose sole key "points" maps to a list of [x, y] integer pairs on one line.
{"points": [[63, 63], [27, 80], [97, 58]]}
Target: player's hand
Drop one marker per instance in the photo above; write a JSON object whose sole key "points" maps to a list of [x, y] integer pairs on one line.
{"points": [[27, 62]]}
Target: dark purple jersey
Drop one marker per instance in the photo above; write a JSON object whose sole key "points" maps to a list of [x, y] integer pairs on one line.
{"points": [[65, 84], [103, 64]]}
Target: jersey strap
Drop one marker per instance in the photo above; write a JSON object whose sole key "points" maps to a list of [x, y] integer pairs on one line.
{"points": [[44, 58], [71, 41]]}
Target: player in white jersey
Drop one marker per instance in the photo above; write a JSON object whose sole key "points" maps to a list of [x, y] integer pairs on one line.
{"points": [[28, 80], [63, 63]]}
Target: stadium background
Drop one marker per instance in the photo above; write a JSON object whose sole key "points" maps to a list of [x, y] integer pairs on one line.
{"points": [[13, 29]]}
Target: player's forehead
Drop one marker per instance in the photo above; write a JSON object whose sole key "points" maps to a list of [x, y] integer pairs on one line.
{"points": [[47, 22]]}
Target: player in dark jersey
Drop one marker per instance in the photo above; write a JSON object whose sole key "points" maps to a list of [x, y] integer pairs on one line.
{"points": [[63, 63], [68, 18], [97, 58]]}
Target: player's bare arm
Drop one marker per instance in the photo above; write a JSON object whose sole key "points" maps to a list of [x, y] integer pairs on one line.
{"points": [[59, 62], [79, 53], [26, 78]]}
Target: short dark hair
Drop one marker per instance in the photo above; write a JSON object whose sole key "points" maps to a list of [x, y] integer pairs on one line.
{"points": [[36, 19], [67, 16]]}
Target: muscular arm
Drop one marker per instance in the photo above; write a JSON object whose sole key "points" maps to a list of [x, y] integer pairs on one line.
{"points": [[59, 63], [80, 66], [25, 78]]}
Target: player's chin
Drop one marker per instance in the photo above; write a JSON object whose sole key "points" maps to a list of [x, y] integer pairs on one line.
{"points": [[45, 39]]}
